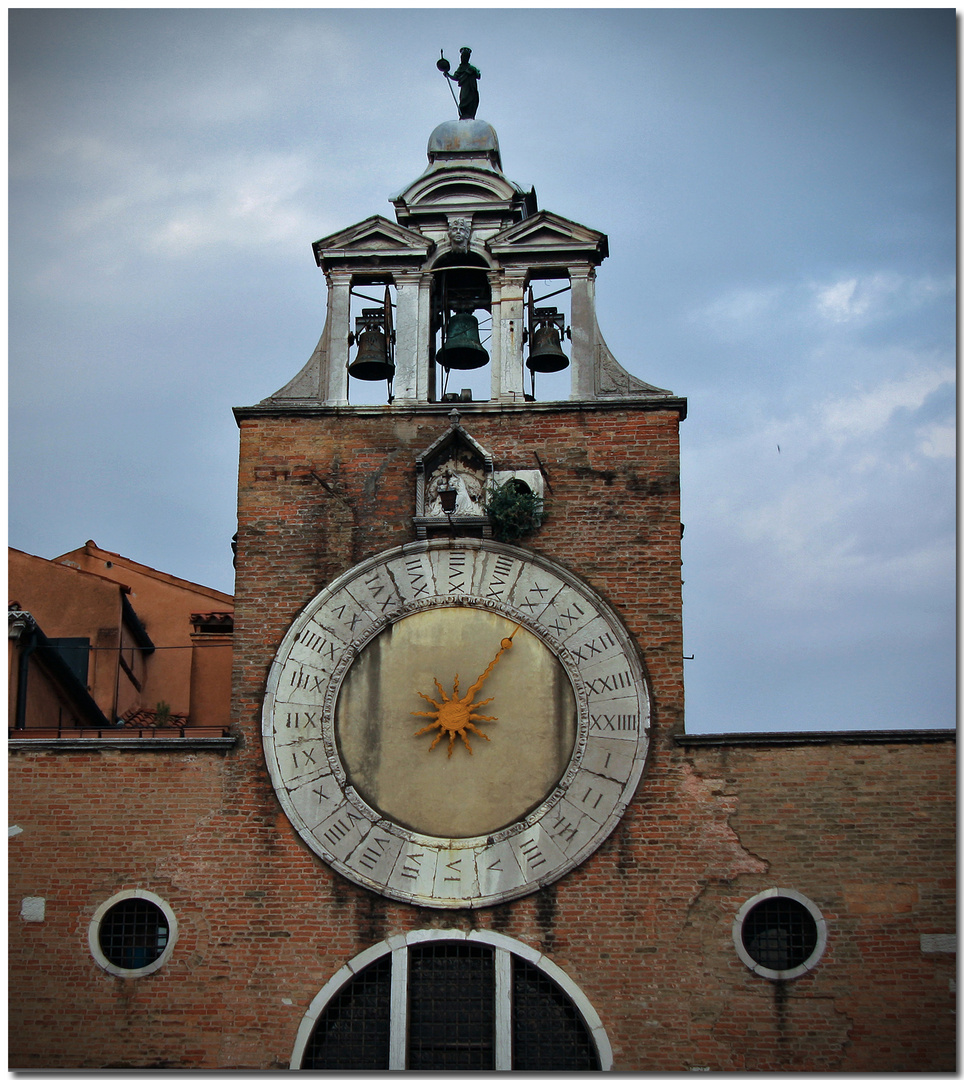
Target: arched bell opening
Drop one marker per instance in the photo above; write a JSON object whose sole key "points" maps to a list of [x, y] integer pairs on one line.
{"points": [[547, 331], [461, 327], [371, 340]]}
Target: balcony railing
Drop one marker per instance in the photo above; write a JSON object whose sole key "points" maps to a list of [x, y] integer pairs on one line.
{"points": [[174, 735]]}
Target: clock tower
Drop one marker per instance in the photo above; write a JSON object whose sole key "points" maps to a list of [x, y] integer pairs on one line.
{"points": [[458, 611]]}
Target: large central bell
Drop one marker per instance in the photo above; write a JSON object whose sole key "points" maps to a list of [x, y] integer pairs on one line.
{"points": [[462, 349]]}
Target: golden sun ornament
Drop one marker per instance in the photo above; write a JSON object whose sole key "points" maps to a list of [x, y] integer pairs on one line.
{"points": [[454, 715]]}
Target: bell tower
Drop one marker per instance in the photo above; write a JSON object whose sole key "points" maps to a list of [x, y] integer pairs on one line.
{"points": [[458, 644], [460, 281]]}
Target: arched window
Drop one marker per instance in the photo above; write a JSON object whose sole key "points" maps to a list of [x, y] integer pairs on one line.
{"points": [[451, 1000]]}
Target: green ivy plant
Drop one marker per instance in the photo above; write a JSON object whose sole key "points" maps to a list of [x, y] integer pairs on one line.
{"points": [[513, 510]]}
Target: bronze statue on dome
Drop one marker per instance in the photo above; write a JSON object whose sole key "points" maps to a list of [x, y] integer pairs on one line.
{"points": [[467, 77]]}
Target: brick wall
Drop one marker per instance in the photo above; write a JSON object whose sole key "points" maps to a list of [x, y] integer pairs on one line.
{"points": [[864, 830], [643, 927], [319, 494]]}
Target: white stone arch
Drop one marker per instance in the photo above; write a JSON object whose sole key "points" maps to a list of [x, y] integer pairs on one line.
{"points": [[505, 947], [446, 253]]}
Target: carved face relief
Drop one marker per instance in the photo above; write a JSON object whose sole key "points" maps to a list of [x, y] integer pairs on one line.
{"points": [[460, 229]]}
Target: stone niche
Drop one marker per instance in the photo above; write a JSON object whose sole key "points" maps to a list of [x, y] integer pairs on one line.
{"points": [[451, 478]]}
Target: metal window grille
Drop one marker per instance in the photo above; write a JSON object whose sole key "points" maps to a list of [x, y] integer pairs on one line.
{"points": [[451, 1002], [353, 1031], [548, 1033], [133, 933], [456, 997], [779, 933]]}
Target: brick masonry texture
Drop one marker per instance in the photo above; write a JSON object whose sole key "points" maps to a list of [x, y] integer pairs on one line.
{"points": [[864, 830]]}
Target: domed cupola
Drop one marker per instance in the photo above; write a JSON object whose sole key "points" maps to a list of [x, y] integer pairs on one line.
{"points": [[460, 139]]}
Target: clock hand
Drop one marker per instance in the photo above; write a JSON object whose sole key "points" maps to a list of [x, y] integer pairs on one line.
{"points": [[454, 715], [474, 688]]}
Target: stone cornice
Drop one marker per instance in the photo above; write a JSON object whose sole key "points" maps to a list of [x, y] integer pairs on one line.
{"points": [[655, 403], [815, 738]]}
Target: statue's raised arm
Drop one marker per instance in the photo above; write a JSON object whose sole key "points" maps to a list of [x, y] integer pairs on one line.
{"points": [[467, 77]]}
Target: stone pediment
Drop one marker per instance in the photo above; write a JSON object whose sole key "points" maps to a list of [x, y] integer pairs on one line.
{"points": [[546, 234], [374, 237]]}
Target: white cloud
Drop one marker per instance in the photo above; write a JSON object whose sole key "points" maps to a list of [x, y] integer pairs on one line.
{"points": [[873, 296], [868, 411], [826, 517], [124, 202], [234, 204], [851, 301], [938, 440], [837, 303]]}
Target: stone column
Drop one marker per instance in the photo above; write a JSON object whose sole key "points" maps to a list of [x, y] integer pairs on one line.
{"points": [[507, 370], [408, 353], [339, 316], [425, 385], [583, 325]]}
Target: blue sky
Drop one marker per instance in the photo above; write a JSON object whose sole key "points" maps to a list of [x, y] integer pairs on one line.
{"points": [[778, 189]]}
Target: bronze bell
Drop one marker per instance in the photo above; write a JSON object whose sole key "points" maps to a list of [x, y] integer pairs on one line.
{"points": [[371, 363], [462, 348], [545, 353]]}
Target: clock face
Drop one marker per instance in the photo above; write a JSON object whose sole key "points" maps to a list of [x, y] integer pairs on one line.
{"points": [[455, 723]]}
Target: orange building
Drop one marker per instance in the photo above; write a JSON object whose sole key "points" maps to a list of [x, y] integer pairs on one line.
{"points": [[99, 641]]}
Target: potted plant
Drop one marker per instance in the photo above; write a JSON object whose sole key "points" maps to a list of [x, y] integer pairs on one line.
{"points": [[514, 510]]}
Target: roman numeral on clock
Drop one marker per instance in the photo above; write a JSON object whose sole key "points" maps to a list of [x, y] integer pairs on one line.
{"points": [[562, 828], [457, 572], [303, 757], [416, 577], [611, 683], [341, 827], [533, 855], [377, 587], [373, 852], [594, 647], [302, 720], [323, 646], [615, 722], [531, 603], [565, 619], [499, 573], [412, 864], [305, 680]]}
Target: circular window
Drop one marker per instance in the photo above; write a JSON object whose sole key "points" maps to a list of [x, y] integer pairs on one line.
{"points": [[132, 934], [779, 934]]}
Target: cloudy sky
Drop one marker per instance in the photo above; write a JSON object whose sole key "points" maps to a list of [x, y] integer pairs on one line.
{"points": [[778, 189]]}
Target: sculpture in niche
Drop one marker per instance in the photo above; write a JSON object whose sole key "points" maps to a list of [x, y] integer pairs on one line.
{"points": [[451, 480], [468, 484]]}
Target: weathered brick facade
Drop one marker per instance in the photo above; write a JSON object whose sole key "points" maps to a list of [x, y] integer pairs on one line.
{"points": [[861, 825]]}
